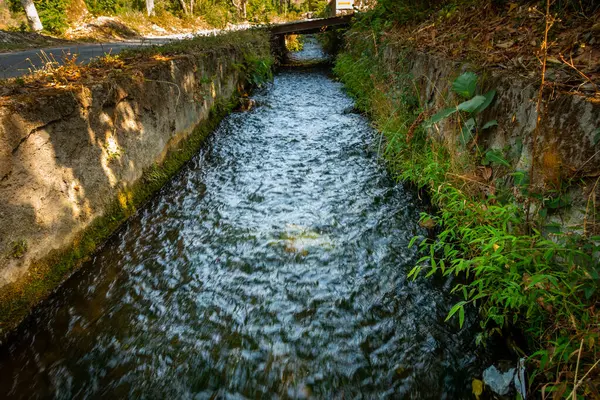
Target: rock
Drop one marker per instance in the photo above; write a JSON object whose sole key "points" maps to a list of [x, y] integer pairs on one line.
{"points": [[351, 110], [499, 382], [246, 104]]}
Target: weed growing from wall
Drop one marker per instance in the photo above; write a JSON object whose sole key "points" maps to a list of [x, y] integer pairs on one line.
{"points": [[258, 70]]}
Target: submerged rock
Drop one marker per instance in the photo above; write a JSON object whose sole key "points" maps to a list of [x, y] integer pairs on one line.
{"points": [[506, 380], [351, 110], [246, 104], [499, 382]]}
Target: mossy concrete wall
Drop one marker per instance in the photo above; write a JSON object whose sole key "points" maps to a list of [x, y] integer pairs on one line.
{"points": [[67, 156]]}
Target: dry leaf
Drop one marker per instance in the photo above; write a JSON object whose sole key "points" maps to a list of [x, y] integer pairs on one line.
{"points": [[427, 223], [553, 60], [477, 386], [505, 45], [486, 173]]}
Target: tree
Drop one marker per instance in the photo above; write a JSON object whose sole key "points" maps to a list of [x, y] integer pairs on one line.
{"points": [[188, 9], [240, 6], [32, 15], [150, 7]]}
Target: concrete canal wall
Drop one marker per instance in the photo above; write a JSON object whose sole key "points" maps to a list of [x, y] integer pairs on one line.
{"points": [[76, 159], [568, 137]]}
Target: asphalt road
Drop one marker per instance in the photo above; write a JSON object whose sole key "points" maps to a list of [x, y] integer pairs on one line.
{"points": [[22, 62]]}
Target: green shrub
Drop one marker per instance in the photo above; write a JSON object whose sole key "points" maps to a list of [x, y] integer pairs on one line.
{"points": [[112, 7], [216, 15], [260, 11], [18, 248], [259, 70], [53, 14], [294, 42]]}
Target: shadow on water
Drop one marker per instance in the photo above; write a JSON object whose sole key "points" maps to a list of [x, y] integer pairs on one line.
{"points": [[273, 265]]}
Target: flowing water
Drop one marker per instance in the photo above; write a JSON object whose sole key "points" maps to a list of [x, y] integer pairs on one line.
{"points": [[272, 266]]}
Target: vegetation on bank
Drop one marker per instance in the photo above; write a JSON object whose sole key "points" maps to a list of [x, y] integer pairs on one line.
{"points": [[516, 271], [132, 62], [18, 298], [294, 43], [76, 18]]}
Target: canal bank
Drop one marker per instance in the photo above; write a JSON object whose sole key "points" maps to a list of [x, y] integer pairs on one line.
{"points": [[516, 195], [83, 147], [275, 263]]}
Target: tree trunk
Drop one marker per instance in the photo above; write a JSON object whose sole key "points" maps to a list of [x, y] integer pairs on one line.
{"points": [[238, 6], [184, 6], [150, 7], [32, 16]]}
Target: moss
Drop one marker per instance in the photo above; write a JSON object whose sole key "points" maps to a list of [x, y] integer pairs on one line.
{"points": [[18, 248], [44, 275]]}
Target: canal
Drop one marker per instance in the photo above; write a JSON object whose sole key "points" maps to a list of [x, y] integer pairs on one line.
{"points": [[272, 266]]}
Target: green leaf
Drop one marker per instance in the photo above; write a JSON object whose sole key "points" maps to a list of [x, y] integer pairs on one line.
{"points": [[461, 317], [521, 178], [445, 113], [412, 241], [489, 124], [548, 254], [495, 157], [414, 272], [552, 228], [557, 202], [596, 134], [465, 85], [589, 291], [455, 308], [489, 97], [471, 105], [466, 134]]}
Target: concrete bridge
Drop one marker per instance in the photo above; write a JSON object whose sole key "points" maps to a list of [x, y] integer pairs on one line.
{"points": [[278, 32], [310, 26]]}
